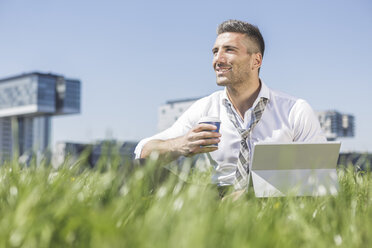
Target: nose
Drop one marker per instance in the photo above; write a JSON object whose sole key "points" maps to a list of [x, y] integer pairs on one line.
{"points": [[218, 58]]}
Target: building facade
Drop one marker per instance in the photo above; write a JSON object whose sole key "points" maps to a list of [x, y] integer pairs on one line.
{"points": [[27, 104], [333, 123], [108, 150], [171, 111]]}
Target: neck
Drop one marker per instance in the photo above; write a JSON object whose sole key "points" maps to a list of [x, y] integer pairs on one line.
{"points": [[243, 96]]}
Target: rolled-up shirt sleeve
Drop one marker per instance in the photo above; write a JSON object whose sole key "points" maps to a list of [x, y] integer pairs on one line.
{"points": [[183, 124], [306, 125]]}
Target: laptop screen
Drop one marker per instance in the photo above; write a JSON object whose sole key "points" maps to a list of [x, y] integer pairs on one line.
{"points": [[298, 169]]}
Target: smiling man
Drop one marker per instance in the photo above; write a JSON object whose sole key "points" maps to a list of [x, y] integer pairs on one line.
{"points": [[249, 111]]}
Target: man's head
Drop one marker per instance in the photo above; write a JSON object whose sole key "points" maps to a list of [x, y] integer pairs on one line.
{"points": [[237, 52], [251, 32]]}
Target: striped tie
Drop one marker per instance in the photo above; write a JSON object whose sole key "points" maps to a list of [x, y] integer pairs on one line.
{"points": [[242, 172]]}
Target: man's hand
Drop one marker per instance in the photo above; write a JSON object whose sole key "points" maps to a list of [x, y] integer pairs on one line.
{"points": [[190, 144], [196, 139]]}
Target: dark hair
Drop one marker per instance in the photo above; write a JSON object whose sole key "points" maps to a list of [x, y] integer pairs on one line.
{"points": [[250, 30]]}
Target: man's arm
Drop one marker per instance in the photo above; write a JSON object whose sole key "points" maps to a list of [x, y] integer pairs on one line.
{"points": [[187, 145], [306, 124]]}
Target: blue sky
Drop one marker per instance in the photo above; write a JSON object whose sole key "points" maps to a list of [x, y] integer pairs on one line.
{"points": [[132, 56]]}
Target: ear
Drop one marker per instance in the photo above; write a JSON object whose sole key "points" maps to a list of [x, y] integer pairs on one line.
{"points": [[257, 61]]}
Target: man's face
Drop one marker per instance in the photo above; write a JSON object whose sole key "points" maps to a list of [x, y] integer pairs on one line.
{"points": [[231, 61]]}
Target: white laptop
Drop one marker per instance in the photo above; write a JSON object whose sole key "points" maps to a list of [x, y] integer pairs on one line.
{"points": [[295, 169]]}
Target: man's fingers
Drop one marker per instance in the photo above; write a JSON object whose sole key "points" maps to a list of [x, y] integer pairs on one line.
{"points": [[206, 142], [199, 146], [204, 135], [205, 149], [204, 127]]}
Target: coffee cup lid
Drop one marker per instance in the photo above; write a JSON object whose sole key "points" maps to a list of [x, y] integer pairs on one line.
{"points": [[209, 119]]}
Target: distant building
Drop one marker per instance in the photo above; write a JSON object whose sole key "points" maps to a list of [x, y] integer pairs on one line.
{"points": [[68, 150], [27, 103], [6, 148], [333, 123], [171, 111], [107, 149], [336, 125]]}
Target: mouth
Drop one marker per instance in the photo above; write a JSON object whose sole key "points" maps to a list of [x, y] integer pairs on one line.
{"points": [[222, 70]]}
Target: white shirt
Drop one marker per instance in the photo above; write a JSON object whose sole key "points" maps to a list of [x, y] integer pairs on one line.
{"points": [[285, 119]]}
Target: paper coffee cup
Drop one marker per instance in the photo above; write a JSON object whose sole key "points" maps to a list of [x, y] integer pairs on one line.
{"points": [[214, 121]]}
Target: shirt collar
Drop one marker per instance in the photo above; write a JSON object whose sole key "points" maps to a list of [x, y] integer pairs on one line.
{"points": [[264, 93]]}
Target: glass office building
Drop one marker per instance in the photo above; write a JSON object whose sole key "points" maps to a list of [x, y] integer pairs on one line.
{"points": [[27, 104], [335, 124]]}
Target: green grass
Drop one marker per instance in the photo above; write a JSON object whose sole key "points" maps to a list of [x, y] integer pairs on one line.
{"points": [[110, 206]]}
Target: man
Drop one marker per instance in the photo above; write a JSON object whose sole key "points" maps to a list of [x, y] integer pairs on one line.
{"points": [[250, 112]]}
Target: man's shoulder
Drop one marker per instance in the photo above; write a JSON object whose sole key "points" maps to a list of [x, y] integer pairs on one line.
{"points": [[206, 106], [283, 97], [214, 97], [289, 102]]}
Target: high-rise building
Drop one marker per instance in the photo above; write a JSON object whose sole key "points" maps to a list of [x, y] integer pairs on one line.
{"points": [[333, 123], [6, 148], [27, 103]]}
